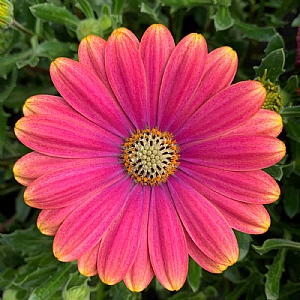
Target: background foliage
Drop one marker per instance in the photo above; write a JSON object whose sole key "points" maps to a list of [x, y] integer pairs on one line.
{"points": [[263, 32]]}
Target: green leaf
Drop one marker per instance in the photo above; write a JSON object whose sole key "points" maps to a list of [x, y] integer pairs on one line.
{"points": [[187, 3], [222, 19], [86, 8], [275, 43], [55, 14], [273, 244], [55, 282], [54, 49], [22, 209], [77, 288], [251, 31], [244, 243], [274, 275], [275, 171], [120, 292], [291, 200], [273, 63], [194, 275], [117, 6], [290, 111]]}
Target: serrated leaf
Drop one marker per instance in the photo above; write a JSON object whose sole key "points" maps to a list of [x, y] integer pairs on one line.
{"points": [[275, 43], [56, 281], [194, 275], [77, 288], [273, 244], [273, 63], [56, 14], [274, 275], [223, 19], [251, 31]]}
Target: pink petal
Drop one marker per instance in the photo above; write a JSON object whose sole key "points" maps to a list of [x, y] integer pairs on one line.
{"points": [[66, 137], [156, 46], [235, 153], [49, 220], [86, 93], [48, 105], [141, 273], [265, 122], [218, 74], [33, 165], [203, 260], [120, 244], [245, 217], [87, 224], [126, 74], [87, 263], [167, 245], [183, 73], [252, 186], [71, 184], [226, 110], [91, 53], [203, 222]]}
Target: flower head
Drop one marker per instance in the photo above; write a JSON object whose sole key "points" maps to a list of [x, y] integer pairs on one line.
{"points": [[6, 13], [150, 155]]}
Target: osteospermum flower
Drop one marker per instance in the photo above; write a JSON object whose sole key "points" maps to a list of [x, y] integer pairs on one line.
{"points": [[150, 155]]}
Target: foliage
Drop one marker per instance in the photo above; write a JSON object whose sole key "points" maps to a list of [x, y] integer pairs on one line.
{"points": [[263, 34]]}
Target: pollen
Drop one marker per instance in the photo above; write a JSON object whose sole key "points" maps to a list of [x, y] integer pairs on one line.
{"points": [[150, 156]]}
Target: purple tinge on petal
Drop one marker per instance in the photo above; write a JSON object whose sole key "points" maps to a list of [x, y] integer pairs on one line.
{"points": [[86, 93], [67, 137], [167, 245], [156, 46], [182, 76], [218, 74], [203, 260], [203, 222], [127, 77], [251, 186], [265, 122], [91, 53], [235, 153], [87, 224], [246, 217], [49, 220], [228, 109], [87, 263], [141, 273], [33, 165], [120, 244], [72, 184]]}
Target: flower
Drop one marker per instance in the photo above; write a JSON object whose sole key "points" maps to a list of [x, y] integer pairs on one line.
{"points": [[150, 155], [6, 14]]}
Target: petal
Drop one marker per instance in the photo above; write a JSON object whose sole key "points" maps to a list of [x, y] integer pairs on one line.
{"points": [[86, 225], [203, 222], [33, 165], [91, 52], [265, 122], [245, 217], [87, 263], [167, 245], [126, 74], [141, 273], [235, 153], [218, 74], [86, 93], [226, 110], [71, 184], [120, 244], [48, 105], [182, 75], [252, 186], [156, 46], [66, 137], [49, 220], [203, 260]]}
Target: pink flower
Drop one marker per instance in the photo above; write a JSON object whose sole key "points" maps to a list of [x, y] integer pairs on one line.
{"points": [[150, 155]]}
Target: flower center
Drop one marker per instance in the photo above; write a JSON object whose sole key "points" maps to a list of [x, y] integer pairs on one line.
{"points": [[150, 156]]}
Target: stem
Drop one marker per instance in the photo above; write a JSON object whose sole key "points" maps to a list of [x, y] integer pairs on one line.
{"points": [[21, 28]]}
